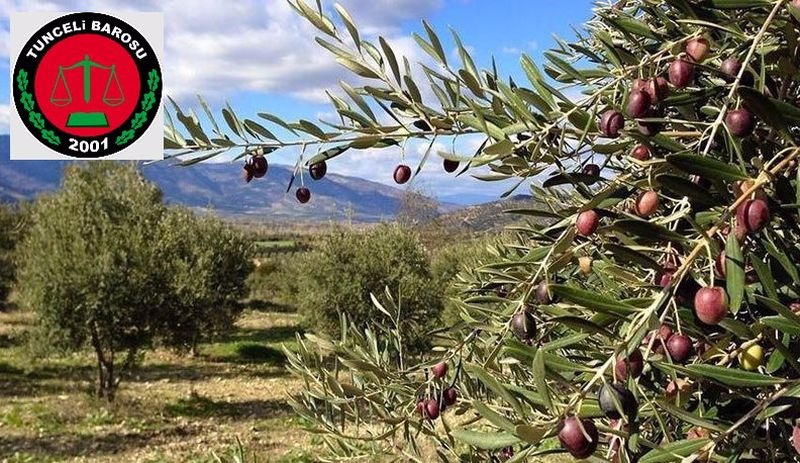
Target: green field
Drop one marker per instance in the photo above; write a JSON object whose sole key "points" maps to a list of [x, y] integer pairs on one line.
{"points": [[279, 244]]}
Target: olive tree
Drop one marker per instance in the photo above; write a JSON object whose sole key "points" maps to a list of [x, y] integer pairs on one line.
{"points": [[348, 269], [106, 265], [209, 263], [652, 316], [91, 266], [11, 223]]}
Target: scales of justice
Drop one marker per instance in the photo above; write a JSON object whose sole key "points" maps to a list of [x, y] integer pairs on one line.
{"points": [[61, 95]]}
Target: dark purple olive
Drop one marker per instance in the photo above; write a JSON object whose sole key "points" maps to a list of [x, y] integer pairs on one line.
{"points": [[247, 173], [632, 365], [303, 195], [450, 396], [572, 437], [611, 122], [681, 73], [439, 370], [543, 294], [450, 166], [730, 69], [592, 170], [615, 399], [657, 89], [753, 215], [662, 335], [432, 409], [402, 174], [259, 166], [679, 348], [638, 104], [318, 170], [740, 122], [523, 325], [664, 277]]}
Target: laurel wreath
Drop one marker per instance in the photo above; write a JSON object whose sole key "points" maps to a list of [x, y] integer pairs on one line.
{"points": [[35, 117], [147, 103]]}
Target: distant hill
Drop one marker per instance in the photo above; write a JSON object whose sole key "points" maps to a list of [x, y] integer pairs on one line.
{"points": [[490, 216], [219, 187]]}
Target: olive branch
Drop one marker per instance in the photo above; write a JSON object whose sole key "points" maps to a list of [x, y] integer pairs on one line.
{"points": [[147, 103], [35, 117]]}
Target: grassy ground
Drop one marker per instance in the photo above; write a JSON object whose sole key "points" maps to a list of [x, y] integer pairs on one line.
{"points": [[272, 245], [172, 408]]}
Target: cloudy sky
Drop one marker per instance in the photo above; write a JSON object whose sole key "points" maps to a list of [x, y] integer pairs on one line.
{"points": [[259, 55]]}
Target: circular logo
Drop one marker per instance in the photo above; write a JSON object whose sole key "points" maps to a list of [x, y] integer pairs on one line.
{"points": [[87, 85]]}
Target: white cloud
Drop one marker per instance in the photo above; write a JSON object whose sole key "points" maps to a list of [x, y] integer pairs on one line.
{"points": [[264, 46], [531, 46], [456, 54], [5, 112], [245, 45], [4, 33]]}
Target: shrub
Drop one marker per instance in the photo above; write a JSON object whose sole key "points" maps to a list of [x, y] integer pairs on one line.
{"points": [[274, 284], [208, 265], [339, 275], [450, 260], [10, 229]]}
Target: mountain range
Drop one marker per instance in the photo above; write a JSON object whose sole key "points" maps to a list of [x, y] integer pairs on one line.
{"points": [[219, 187]]}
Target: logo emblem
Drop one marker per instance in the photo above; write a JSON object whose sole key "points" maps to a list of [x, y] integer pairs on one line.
{"points": [[87, 85]]}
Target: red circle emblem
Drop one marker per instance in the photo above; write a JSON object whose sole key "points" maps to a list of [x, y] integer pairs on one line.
{"points": [[87, 85]]}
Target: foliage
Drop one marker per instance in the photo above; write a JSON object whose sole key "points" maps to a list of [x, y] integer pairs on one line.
{"points": [[346, 268], [11, 224], [274, 280], [91, 265], [451, 259], [618, 266], [106, 265], [209, 263]]}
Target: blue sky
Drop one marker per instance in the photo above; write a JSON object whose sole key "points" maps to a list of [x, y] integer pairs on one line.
{"points": [[259, 56]]}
